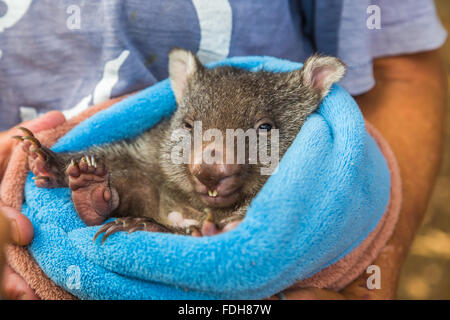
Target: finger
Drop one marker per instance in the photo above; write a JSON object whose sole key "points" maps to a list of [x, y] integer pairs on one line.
{"points": [[15, 287], [49, 120], [21, 229]]}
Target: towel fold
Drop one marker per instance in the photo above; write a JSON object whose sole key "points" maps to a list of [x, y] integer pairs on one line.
{"points": [[337, 208]]}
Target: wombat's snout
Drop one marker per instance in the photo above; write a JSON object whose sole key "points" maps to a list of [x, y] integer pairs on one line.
{"points": [[218, 184]]}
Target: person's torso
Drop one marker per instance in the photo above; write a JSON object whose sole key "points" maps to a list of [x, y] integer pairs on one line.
{"points": [[72, 54]]}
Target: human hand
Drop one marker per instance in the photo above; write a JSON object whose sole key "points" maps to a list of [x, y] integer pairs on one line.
{"points": [[357, 290], [407, 106], [14, 226], [19, 230], [49, 120]]}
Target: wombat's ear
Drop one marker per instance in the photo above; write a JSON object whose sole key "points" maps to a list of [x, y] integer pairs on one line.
{"points": [[182, 65], [320, 72]]}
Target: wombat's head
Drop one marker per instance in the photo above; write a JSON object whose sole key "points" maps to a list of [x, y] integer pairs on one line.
{"points": [[232, 125]]}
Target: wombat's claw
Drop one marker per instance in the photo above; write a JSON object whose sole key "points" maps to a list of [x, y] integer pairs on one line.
{"points": [[209, 217], [129, 224], [41, 160], [41, 178], [26, 131], [31, 141], [20, 138], [109, 229], [29, 136], [35, 142], [40, 153], [90, 164]]}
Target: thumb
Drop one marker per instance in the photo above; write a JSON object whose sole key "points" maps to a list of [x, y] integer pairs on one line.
{"points": [[49, 120]]}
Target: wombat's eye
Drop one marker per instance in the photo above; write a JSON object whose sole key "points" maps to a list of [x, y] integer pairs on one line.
{"points": [[264, 124], [188, 124]]}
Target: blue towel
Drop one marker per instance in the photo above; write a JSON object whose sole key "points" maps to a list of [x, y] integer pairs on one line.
{"points": [[330, 191]]}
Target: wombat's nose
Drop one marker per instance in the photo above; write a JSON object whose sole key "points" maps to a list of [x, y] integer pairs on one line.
{"points": [[212, 174]]}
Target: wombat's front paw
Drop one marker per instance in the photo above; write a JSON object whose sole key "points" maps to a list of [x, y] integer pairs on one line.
{"points": [[93, 198], [43, 162], [129, 224]]}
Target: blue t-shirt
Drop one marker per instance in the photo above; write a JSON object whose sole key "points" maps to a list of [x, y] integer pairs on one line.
{"points": [[71, 54]]}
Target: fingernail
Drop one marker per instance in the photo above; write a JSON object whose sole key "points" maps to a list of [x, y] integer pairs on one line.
{"points": [[15, 233]]}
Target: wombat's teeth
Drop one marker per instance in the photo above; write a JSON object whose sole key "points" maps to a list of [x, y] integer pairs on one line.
{"points": [[88, 160], [212, 193]]}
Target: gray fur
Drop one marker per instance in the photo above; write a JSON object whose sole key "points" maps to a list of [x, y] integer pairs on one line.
{"points": [[149, 184]]}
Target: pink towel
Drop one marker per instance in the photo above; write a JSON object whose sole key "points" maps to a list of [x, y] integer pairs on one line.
{"points": [[335, 277]]}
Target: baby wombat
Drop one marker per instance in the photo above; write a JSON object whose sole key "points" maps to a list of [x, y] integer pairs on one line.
{"points": [[143, 182]]}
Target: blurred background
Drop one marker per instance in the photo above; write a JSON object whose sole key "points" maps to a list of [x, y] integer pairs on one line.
{"points": [[426, 274]]}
